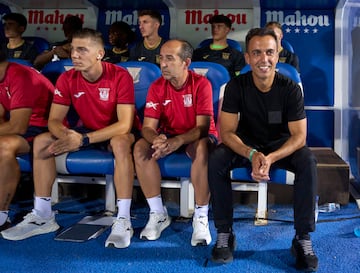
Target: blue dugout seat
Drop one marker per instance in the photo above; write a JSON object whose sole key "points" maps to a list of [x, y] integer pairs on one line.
{"points": [[285, 44], [80, 166], [143, 74], [279, 176], [232, 43], [175, 168], [25, 162], [52, 70], [20, 61], [40, 43], [91, 166]]}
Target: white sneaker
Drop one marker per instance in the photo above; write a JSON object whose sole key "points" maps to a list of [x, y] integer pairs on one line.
{"points": [[121, 233], [201, 233], [30, 226], [156, 224]]}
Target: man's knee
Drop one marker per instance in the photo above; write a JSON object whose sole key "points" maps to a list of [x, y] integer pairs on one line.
{"points": [[41, 143], [215, 157], [198, 149], [305, 158], [122, 143], [141, 150]]}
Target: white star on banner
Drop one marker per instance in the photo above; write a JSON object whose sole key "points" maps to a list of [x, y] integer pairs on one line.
{"points": [[298, 30]]}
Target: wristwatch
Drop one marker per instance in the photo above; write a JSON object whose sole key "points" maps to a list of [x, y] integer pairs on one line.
{"points": [[85, 140]]}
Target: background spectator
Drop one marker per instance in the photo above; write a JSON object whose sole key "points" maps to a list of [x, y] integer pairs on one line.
{"points": [[61, 49], [148, 50], [120, 37], [285, 56], [16, 47], [219, 51]]}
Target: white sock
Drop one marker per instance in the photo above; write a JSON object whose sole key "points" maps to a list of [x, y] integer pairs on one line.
{"points": [[201, 211], [156, 204], [42, 207], [4, 214], [123, 208]]}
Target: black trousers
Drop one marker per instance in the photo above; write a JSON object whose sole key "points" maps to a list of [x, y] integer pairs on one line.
{"points": [[302, 162]]}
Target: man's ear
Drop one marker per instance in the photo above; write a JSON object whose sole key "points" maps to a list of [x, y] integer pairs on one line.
{"points": [[246, 55], [22, 29], [100, 55]]}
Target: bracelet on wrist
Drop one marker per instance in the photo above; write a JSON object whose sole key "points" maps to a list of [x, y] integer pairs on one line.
{"points": [[251, 154]]}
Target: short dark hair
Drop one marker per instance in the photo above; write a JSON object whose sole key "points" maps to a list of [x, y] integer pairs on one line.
{"points": [[74, 21], [258, 32], [17, 17], [186, 50], [152, 13], [121, 26], [89, 33], [273, 24], [220, 19]]}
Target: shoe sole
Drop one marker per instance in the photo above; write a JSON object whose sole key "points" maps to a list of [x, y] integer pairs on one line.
{"points": [[299, 267], [222, 261], [30, 234], [230, 259], [167, 223], [201, 242], [5, 226], [112, 244]]}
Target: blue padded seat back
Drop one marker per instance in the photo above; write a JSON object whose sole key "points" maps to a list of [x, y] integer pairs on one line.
{"points": [[218, 76], [40, 43], [289, 71], [285, 44], [20, 61], [232, 43], [143, 74], [52, 70]]}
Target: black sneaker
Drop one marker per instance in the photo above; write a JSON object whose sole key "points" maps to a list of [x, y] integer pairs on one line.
{"points": [[302, 250], [224, 248]]}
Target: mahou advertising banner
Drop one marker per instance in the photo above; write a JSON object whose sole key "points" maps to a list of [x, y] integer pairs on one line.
{"points": [[193, 24], [109, 16], [47, 23], [311, 33]]}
